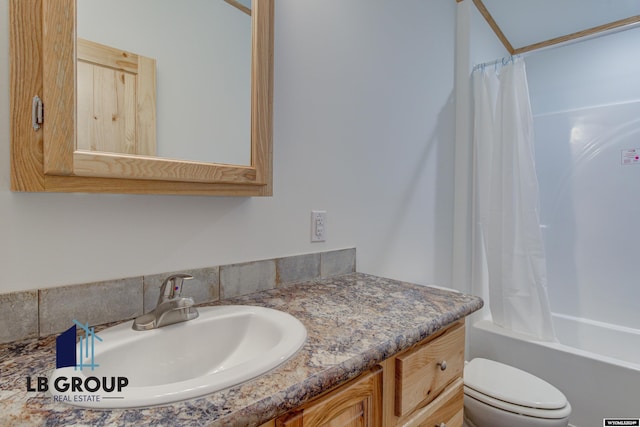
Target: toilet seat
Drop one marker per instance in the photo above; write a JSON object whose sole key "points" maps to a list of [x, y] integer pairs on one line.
{"points": [[513, 390]]}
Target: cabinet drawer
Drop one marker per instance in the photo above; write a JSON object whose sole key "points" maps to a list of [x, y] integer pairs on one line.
{"points": [[421, 373], [446, 409]]}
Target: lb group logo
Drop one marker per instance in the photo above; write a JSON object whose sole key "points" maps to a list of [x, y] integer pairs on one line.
{"points": [[76, 378], [66, 353]]}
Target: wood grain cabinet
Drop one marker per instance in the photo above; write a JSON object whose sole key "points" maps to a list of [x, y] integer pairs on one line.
{"points": [[422, 386], [52, 152], [355, 404]]}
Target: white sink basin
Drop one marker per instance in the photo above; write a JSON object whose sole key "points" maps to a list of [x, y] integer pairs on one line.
{"points": [[223, 347]]}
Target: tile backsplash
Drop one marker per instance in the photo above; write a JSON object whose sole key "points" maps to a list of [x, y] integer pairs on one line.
{"points": [[42, 312], [246, 278], [18, 315], [95, 303]]}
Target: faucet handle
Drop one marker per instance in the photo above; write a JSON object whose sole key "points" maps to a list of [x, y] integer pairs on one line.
{"points": [[175, 280]]}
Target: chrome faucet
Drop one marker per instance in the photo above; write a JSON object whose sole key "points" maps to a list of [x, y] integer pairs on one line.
{"points": [[171, 308]]}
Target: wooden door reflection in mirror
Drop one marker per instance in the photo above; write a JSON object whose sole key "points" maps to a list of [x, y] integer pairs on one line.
{"points": [[202, 49]]}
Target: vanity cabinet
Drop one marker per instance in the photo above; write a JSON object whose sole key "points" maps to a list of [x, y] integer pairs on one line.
{"points": [[421, 386], [357, 403]]}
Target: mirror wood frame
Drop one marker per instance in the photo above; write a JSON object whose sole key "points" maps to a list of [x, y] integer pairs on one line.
{"points": [[42, 62]]}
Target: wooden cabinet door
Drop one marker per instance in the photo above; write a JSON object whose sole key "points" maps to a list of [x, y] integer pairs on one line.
{"points": [[356, 404], [446, 409]]}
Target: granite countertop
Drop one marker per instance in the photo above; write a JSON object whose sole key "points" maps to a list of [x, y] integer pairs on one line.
{"points": [[353, 321]]}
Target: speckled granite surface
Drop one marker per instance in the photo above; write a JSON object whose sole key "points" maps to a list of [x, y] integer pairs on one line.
{"points": [[353, 322]]}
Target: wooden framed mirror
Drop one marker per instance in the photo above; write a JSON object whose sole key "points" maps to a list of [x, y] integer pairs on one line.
{"points": [[43, 63]]}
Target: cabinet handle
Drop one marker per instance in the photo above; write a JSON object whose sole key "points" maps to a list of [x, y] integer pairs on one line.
{"points": [[443, 366]]}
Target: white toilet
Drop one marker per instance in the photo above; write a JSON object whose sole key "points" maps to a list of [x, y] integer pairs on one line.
{"points": [[498, 395]]}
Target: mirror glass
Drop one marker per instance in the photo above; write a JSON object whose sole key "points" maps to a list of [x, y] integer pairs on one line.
{"points": [[202, 53]]}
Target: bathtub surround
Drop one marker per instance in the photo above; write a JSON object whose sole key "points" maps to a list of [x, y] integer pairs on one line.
{"points": [[589, 199], [38, 313], [354, 321]]}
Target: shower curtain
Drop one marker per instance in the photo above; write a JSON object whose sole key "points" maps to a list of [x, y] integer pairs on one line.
{"points": [[510, 270]]}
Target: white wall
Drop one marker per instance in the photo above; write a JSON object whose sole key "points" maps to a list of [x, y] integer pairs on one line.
{"points": [[363, 127], [485, 46], [476, 43]]}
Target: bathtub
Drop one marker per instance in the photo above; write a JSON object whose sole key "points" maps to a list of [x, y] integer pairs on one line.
{"points": [[596, 365]]}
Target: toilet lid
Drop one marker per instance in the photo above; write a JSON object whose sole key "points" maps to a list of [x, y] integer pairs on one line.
{"points": [[512, 385]]}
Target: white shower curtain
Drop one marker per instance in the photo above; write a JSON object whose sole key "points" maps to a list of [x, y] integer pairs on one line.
{"points": [[508, 252]]}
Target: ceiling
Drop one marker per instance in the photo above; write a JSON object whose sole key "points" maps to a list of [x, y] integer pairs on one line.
{"points": [[243, 5], [524, 25]]}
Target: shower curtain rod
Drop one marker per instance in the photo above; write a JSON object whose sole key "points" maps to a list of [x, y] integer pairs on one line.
{"points": [[500, 61]]}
